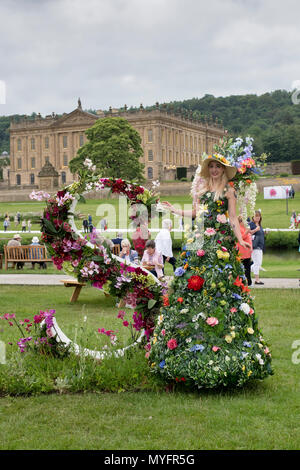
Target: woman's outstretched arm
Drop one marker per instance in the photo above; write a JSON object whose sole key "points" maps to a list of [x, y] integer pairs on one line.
{"points": [[186, 213]]}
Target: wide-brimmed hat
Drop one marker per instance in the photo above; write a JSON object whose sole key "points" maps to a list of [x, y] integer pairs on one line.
{"points": [[229, 169], [35, 240], [17, 236]]}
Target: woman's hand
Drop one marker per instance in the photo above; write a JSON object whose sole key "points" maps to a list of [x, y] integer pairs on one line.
{"points": [[168, 205], [245, 244]]}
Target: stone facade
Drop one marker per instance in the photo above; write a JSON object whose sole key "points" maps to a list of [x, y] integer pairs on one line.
{"points": [[170, 141]]}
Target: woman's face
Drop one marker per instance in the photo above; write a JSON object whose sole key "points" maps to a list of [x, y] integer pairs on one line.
{"points": [[216, 170], [150, 250], [126, 248], [256, 218]]}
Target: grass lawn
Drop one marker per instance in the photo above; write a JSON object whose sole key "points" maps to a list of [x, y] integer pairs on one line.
{"points": [[263, 415]]}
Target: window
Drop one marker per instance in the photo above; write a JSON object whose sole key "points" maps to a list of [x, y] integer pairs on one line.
{"points": [[19, 144], [163, 155], [150, 135], [46, 142], [47, 159], [63, 177], [65, 141], [19, 163], [81, 140], [150, 173], [33, 162], [33, 143], [150, 155], [18, 179], [170, 156], [65, 160], [176, 139], [31, 178]]}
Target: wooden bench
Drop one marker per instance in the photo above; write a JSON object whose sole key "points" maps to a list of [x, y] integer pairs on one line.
{"points": [[78, 286], [25, 254]]}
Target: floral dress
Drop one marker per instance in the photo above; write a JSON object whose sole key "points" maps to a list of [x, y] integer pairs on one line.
{"points": [[207, 334]]}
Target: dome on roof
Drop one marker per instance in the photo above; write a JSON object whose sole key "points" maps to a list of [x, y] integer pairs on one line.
{"points": [[4, 153]]}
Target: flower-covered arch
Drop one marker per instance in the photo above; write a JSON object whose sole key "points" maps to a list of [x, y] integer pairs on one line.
{"points": [[95, 264]]}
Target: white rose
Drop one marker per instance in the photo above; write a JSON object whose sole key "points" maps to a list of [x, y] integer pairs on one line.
{"points": [[245, 308]]}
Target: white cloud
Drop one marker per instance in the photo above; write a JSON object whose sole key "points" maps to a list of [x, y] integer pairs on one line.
{"points": [[112, 52]]}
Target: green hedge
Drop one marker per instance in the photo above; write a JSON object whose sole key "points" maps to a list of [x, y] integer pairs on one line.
{"points": [[282, 240]]}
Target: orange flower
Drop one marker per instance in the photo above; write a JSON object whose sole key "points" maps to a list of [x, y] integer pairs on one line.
{"points": [[231, 183], [183, 253], [248, 181], [180, 300], [166, 301], [186, 266], [238, 282]]}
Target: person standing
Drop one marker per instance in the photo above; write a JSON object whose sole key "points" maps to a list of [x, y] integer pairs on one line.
{"points": [[163, 242], [85, 224], [244, 252], [24, 225], [208, 302], [258, 244], [29, 226], [5, 224]]}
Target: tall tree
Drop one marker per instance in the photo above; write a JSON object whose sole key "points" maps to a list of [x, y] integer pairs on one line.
{"points": [[114, 146]]}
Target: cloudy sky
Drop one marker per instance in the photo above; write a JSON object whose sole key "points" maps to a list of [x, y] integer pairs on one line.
{"points": [[112, 52]]}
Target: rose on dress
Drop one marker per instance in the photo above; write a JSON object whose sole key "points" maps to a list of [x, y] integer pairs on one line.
{"points": [[212, 321], [221, 218]]}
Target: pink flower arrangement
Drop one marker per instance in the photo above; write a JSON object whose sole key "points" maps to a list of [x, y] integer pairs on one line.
{"points": [[212, 321], [172, 344]]}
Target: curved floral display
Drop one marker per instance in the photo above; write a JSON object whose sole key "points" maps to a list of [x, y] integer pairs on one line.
{"points": [[95, 264]]}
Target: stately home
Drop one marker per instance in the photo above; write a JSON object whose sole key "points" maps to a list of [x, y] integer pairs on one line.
{"points": [[41, 148]]}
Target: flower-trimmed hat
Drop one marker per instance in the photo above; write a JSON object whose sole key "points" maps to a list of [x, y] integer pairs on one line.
{"points": [[217, 157]]}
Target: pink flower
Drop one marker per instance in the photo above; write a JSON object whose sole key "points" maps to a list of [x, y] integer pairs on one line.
{"points": [[233, 310], [212, 321], [75, 263], [147, 355], [125, 323], [251, 311], [215, 348], [210, 231], [172, 344], [163, 332], [200, 253], [121, 314], [223, 248], [221, 218], [49, 333]]}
